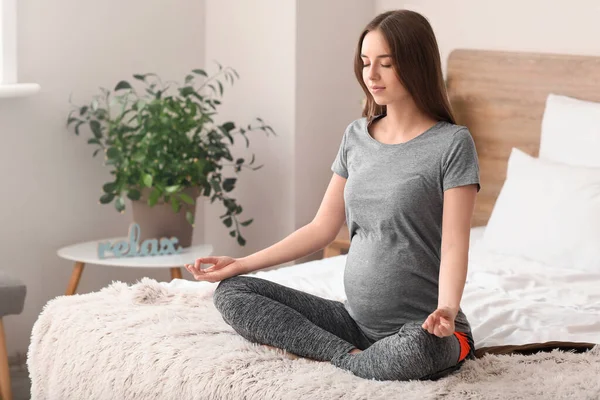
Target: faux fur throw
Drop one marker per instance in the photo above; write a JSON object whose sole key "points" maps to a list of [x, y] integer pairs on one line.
{"points": [[150, 341]]}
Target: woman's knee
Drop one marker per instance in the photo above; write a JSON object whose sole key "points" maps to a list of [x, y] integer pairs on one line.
{"points": [[225, 288], [432, 356], [413, 354]]}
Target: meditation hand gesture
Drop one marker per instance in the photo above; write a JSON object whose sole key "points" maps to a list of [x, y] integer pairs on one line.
{"points": [[223, 267], [440, 322]]}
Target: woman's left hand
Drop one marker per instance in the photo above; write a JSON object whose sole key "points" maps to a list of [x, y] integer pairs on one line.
{"points": [[440, 322]]}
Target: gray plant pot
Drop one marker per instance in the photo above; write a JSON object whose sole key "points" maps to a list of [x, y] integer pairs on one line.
{"points": [[160, 221]]}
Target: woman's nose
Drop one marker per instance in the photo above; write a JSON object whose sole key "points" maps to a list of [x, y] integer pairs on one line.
{"points": [[372, 73]]}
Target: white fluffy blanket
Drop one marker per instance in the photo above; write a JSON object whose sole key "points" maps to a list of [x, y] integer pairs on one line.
{"points": [[152, 341]]}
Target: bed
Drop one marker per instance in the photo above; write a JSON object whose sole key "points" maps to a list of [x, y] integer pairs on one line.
{"points": [[535, 320]]}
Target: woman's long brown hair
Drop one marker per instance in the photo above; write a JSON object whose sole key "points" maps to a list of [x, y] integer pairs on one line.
{"points": [[416, 60]]}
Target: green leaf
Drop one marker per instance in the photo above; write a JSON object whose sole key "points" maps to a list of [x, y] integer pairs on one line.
{"points": [[120, 204], [83, 110], [226, 133], [77, 127], [138, 157], [71, 120], [220, 88], [228, 126], [246, 223], [229, 184], [175, 204], [140, 77], [153, 198], [113, 153], [186, 198], [172, 189], [96, 129], [241, 240], [134, 194], [200, 72], [93, 141], [229, 204], [147, 179], [239, 161], [109, 187], [123, 85], [186, 91], [227, 221], [215, 185], [95, 152], [232, 233], [139, 105], [107, 198], [189, 217]]}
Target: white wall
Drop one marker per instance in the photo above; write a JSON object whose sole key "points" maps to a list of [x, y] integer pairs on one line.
{"points": [[257, 39], [569, 27], [295, 64], [50, 184]]}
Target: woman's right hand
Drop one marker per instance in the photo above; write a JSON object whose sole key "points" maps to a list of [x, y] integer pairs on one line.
{"points": [[223, 267]]}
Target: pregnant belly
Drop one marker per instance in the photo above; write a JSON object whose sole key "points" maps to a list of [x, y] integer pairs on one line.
{"points": [[386, 284]]}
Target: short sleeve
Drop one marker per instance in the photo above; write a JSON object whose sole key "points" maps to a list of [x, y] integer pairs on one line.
{"points": [[339, 164], [461, 164]]}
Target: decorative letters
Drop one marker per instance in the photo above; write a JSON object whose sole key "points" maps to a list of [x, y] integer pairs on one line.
{"points": [[149, 247]]}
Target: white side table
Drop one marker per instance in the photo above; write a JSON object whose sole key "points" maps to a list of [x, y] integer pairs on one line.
{"points": [[87, 252]]}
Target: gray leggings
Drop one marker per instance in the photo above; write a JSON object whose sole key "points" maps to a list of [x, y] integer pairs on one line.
{"points": [[268, 313]]}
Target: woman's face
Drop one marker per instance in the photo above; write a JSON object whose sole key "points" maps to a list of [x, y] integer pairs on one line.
{"points": [[378, 72]]}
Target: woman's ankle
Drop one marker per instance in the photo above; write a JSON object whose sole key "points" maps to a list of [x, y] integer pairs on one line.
{"points": [[354, 351]]}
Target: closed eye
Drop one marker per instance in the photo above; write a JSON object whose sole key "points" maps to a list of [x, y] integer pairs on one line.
{"points": [[384, 66]]}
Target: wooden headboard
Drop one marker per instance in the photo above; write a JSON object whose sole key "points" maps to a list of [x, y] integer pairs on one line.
{"points": [[500, 97]]}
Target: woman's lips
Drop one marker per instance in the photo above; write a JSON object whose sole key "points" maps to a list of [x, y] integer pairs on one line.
{"points": [[377, 89]]}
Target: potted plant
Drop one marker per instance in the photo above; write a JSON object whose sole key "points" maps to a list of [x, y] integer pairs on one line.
{"points": [[165, 150]]}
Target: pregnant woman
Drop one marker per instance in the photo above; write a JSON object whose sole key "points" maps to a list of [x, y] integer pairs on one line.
{"points": [[405, 179]]}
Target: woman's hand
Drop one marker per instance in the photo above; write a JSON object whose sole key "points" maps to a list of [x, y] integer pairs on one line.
{"points": [[223, 267], [440, 322]]}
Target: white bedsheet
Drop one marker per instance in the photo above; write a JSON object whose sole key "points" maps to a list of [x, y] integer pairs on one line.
{"points": [[508, 300]]}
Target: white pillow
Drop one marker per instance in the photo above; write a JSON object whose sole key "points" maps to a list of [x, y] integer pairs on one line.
{"points": [[547, 212], [571, 131]]}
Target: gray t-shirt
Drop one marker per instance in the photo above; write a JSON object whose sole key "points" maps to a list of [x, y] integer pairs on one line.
{"points": [[394, 201]]}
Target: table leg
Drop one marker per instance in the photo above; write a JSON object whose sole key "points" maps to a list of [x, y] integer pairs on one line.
{"points": [[75, 276], [175, 273], [5, 389]]}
